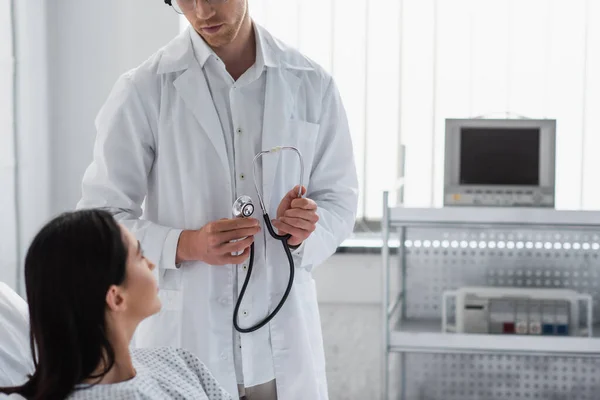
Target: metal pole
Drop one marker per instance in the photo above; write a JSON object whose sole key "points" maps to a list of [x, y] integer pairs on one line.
{"points": [[434, 108], [402, 262], [385, 254], [584, 108], [366, 112]]}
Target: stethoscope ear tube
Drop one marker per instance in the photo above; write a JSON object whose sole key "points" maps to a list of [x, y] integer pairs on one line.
{"points": [[286, 247]]}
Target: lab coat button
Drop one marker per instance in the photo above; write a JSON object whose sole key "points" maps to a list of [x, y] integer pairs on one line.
{"points": [[223, 300], [223, 356]]}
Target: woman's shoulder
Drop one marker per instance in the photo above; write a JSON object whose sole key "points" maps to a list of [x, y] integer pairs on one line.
{"points": [[167, 358], [161, 350], [179, 366], [164, 353]]}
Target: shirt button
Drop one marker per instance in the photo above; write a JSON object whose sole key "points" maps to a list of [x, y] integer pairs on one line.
{"points": [[245, 267], [239, 130], [223, 300], [245, 313], [223, 356], [242, 176]]}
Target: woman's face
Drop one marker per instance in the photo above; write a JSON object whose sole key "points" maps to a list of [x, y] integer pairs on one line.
{"points": [[140, 289]]}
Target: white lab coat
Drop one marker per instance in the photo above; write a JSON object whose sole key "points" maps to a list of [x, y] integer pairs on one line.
{"points": [[159, 139]]}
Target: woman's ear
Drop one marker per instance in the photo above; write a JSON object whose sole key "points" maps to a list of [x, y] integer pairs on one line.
{"points": [[115, 300]]}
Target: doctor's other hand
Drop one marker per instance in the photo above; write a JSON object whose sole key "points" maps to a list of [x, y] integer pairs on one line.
{"points": [[215, 242], [296, 216]]}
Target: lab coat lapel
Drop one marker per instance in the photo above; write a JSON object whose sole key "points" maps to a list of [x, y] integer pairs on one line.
{"points": [[194, 90], [280, 95]]}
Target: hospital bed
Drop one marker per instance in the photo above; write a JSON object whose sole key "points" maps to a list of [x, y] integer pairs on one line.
{"points": [[15, 354]]}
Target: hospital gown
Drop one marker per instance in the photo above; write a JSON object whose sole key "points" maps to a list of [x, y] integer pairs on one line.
{"points": [[162, 373]]}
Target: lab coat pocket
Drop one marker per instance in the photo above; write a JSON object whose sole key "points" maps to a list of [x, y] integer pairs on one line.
{"points": [[303, 136], [304, 130]]}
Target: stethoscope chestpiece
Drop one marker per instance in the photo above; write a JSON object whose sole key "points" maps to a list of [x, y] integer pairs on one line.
{"points": [[243, 207]]}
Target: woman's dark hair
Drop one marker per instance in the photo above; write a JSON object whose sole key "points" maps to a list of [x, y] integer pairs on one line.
{"points": [[70, 265]]}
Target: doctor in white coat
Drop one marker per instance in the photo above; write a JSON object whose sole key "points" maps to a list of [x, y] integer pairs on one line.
{"points": [[174, 149]]}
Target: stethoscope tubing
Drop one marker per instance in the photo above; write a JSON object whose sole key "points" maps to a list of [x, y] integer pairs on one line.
{"points": [[282, 238]]}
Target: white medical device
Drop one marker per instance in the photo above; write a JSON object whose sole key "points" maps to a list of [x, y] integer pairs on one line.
{"points": [[500, 162], [523, 311]]}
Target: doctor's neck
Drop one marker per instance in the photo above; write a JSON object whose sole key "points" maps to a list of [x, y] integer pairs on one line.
{"points": [[240, 54]]}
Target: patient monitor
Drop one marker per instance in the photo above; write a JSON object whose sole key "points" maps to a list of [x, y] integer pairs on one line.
{"points": [[500, 162]]}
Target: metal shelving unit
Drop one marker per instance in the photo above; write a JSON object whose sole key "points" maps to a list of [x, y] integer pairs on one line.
{"points": [[447, 248]]}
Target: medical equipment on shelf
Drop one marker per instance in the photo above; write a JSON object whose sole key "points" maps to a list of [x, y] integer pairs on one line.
{"points": [[523, 311], [500, 162], [244, 208]]}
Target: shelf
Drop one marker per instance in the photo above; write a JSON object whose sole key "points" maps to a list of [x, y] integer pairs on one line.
{"points": [[492, 216], [421, 337], [368, 241], [560, 233]]}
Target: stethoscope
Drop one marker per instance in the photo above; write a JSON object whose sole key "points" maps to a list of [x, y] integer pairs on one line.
{"points": [[244, 208]]}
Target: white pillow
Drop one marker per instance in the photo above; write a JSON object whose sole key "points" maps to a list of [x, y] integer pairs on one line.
{"points": [[15, 353]]}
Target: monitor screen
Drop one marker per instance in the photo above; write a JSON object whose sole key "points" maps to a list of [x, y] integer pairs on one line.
{"points": [[500, 156]]}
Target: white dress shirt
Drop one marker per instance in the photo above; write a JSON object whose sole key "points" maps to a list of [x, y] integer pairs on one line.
{"points": [[240, 106]]}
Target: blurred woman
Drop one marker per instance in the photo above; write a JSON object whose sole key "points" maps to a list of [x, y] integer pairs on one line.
{"points": [[88, 287]]}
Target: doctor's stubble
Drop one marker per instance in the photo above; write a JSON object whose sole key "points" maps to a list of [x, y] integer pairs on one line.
{"points": [[232, 14]]}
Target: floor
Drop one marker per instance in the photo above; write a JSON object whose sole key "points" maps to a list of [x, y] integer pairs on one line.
{"points": [[352, 337]]}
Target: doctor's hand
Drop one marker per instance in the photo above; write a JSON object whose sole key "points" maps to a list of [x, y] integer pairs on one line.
{"points": [[296, 216], [215, 242]]}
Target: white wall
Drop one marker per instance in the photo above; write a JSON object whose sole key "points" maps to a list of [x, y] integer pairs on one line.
{"points": [[24, 179], [8, 253], [68, 56], [90, 43], [354, 279]]}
